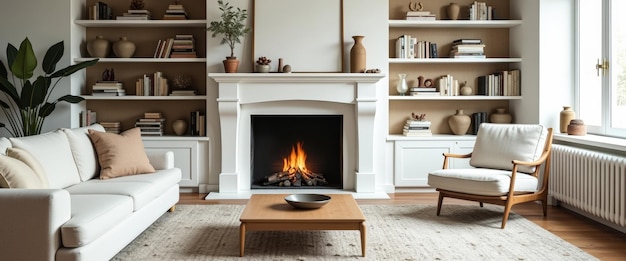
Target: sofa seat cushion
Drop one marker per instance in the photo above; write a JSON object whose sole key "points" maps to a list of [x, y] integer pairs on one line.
{"points": [[143, 189], [488, 182], [53, 152], [83, 151], [94, 215]]}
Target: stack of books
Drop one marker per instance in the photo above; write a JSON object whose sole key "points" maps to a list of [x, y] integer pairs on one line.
{"points": [[111, 126], [151, 124], [467, 48], [100, 11], [152, 85], [87, 118], [183, 93], [416, 128], [197, 124], [136, 15], [420, 15], [415, 91], [183, 47], [108, 88], [175, 12]]}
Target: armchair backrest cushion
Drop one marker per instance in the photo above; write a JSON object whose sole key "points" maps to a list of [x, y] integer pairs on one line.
{"points": [[497, 145]]}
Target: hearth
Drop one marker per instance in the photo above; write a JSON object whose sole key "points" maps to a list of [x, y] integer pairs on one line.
{"points": [[296, 151]]}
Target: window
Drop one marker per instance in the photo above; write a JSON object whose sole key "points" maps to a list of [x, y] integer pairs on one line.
{"points": [[601, 96]]}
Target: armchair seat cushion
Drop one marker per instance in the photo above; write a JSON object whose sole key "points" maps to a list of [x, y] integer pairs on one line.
{"points": [[487, 182]]}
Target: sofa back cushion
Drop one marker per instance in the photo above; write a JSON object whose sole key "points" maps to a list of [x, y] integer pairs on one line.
{"points": [[497, 145], [53, 152], [83, 151], [120, 154]]}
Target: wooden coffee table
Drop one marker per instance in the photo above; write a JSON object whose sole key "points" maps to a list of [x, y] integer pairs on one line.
{"points": [[270, 212]]}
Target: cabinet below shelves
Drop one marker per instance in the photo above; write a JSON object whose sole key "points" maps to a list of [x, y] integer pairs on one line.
{"points": [[189, 155]]}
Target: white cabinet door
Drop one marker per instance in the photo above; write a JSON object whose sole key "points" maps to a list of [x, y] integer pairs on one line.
{"points": [[415, 159], [186, 157]]}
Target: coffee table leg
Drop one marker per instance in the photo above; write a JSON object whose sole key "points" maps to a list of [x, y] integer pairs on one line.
{"points": [[362, 229], [242, 238]]}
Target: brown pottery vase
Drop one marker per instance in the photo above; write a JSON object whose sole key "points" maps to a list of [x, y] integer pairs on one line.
{"points": [[98, 48], [459, 123], [453, 11], [124, 48], [500, 116], [231, 64], [566, 115], [357, 55], [576, 127], [180, 127]]}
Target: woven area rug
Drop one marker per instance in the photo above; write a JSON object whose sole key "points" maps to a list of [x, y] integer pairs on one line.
{"points": [[394, 232]]}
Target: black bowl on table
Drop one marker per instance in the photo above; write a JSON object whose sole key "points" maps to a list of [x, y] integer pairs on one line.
{"points": [[307, 201]]}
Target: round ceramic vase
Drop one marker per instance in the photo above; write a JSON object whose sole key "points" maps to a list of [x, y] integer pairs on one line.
{"points": [[500, 116], [402, 86], [459, 123], [98, 48], [124, 48]]}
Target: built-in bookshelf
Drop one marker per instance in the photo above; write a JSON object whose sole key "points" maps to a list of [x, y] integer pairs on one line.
{"points": [[443, 32]]}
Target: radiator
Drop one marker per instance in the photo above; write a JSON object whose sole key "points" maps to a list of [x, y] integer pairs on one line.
{"points": [[592, 182]]}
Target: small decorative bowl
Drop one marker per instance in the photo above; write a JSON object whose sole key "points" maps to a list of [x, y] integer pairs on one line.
{"points": [[307, 201], [577, 127]]}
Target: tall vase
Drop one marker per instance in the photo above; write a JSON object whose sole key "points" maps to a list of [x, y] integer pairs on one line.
{"points": [[124, 48], [357, 55], [566, 115], [500, 116], [459, 123], [453, 11], [402, 86], [98, 48]]}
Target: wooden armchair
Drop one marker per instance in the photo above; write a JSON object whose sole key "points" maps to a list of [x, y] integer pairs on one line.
{"points": [[507, 160]]}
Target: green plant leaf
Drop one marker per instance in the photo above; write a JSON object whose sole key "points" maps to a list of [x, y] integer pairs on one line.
{"points": [[8, 88], [3, 71], [71, 99], [46, 109], [53, 56], [25, 61], [73, 68], [34, 94], [11, 54]]}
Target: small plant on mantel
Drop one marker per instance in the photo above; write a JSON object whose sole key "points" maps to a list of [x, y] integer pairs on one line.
{"points": [[232, 28]]}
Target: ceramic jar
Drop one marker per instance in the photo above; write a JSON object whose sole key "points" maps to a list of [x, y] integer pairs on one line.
{"points": [[500, 116], [98, 48], [263, 68], [180, 127], [453, 11], [576, 127], [566, 115], [357, 55], [459, 123], [466, 90], [402, 87], [124, 48]]}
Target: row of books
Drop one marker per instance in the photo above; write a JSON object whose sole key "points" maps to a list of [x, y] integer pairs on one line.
{"points": [[408, 47], [108, 88], [467, 48], [152, 85], [152, 124], [135, 15], [477, 119], [420, 15], [448, 86], [503, 83], [181, 46], [87, 117], [414, 128], [197, 124], [100, 11], [481, 11]]}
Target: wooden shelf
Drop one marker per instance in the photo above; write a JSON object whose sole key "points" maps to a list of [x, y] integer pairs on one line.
{"points": [[141, 23], [454, 23], [443, 98], [176, 138], [444, 137], [454, 60], [144, 98], [144, 60]]}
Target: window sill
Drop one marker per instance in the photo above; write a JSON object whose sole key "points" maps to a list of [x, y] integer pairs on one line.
{"points": [[597, 141]]}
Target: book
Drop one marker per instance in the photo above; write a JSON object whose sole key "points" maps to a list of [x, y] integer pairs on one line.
{"points": [[467, 41]]}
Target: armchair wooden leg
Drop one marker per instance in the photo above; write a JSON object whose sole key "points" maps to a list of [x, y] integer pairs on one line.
{"points": [[481, 204], [439, 202], [507, 211], [544, 204]]}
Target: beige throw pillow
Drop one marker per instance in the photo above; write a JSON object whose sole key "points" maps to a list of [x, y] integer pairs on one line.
{"points": [[120, 154], [16, 174], [30, 161]]}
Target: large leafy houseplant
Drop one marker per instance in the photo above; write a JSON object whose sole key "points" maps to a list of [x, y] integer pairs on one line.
{"points": [[27, 107], [232, 27]]}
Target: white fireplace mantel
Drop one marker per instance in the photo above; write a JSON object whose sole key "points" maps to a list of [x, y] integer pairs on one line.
{"points": [[237, 90]]}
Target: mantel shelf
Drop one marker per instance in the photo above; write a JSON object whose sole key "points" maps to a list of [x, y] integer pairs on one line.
{"points": [[297, 77], [455, 60], [142, 23], [145, 98], [439, 98], [455, 23]]}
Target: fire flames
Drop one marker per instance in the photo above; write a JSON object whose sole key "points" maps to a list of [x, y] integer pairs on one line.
{"points": [[294, 172], [296, 162]]}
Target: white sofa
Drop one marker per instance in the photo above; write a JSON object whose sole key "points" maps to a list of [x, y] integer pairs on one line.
{"points": [[80, 216]]}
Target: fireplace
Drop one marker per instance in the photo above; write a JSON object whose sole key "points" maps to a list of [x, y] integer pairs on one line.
{"points": [[349, 95], [296, 151]]}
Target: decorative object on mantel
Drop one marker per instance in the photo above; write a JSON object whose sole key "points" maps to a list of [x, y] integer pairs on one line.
{"points": [[124, 48], [99, 47], [566, 115], [500, 116], [287, 68], [180, 127], [402, 87], [280, 64], [459, 123], [577, 127], [263, 65], [232, 28], [466, 89], [357, 55], [453, 11], [374, 70]]}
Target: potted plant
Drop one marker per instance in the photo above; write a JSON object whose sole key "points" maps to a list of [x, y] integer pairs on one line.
{"points": [[263, 64], [232, 28], [26, 108]]}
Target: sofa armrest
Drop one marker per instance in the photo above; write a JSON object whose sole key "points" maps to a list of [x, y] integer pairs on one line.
{"points": [[161, 159], [31, 222]]}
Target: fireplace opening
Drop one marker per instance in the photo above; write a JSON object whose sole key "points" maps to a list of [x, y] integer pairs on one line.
{"points": [[296, 151]]}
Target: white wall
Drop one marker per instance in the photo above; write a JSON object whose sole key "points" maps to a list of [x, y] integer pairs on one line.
{"points": [[44, 23]]}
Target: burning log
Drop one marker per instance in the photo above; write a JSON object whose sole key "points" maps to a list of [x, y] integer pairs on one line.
{"points": [[295, 173]]}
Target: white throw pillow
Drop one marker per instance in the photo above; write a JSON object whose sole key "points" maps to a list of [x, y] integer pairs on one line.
{"points": [[84, 153], [53, 152]]}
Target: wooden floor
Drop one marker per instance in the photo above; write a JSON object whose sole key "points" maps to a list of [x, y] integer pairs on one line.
{"points": [[598, 240]]}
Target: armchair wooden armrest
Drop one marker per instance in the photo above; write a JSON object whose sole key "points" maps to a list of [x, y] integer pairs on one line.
{"points": [[453, 155]]}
